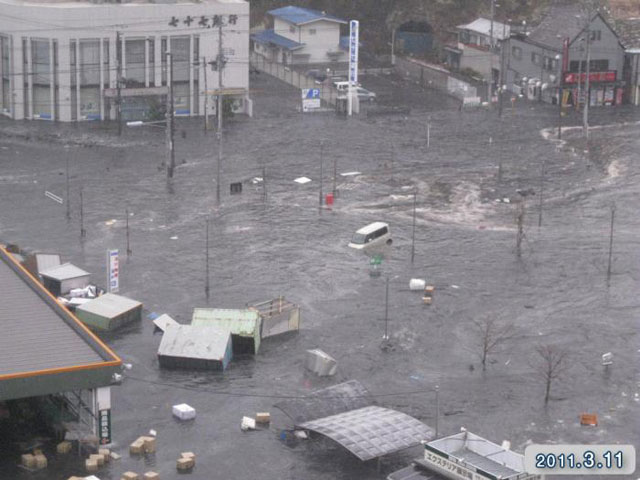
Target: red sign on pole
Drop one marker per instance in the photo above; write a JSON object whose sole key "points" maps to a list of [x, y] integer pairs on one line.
{"points": [[572, 77], [565, 54]]}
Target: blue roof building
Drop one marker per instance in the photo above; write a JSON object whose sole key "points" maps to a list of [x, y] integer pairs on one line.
{"points": [[301, 36]]}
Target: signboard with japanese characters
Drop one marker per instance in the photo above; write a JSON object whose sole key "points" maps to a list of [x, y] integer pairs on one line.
{"points": [[203, 21], [104, 417], [353, 51], [572, 77], [113, 271]]}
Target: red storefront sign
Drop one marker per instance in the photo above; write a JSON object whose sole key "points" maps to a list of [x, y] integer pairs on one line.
{"points": [[609, 76]]}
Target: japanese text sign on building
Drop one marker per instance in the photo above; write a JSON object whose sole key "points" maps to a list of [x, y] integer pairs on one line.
{"points": [[105, 427], [113, 271], [353, 51], [609, 76], [203, 21]]}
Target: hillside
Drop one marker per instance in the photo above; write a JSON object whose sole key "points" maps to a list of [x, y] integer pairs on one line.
{"points": [[377, 17]]}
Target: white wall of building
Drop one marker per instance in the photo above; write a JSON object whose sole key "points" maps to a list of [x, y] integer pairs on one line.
{"points": [[318, 38], [36, 33]]}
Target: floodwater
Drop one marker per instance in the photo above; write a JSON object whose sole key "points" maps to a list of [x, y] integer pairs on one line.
{"points": [[555, 293]]}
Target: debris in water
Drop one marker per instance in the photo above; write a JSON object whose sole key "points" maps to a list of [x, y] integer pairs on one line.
{"points": [[302, 180]]}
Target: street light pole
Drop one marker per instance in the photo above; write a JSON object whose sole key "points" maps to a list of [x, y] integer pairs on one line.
{"points": [[321, 161], [437, 409], [68, 199], [206, 279], [413, 233], [170, 114], [386, 310], [220, 64]]}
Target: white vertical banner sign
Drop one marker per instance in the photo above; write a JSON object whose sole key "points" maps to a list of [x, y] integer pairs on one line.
{"points": [[113, 271], [353, 61]]}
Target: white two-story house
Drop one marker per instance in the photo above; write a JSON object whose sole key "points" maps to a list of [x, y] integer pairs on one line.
{"points": [[300, 36]]}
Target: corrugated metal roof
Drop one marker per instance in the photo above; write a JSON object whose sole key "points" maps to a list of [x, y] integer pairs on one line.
{"points": [[483, 26], [270, 37], [37, 333], [239, 322], [65, 271], [188, 341], [372, 432], [110, 305], [328, 401], [561, 21], [300, 16], [628, 31]]}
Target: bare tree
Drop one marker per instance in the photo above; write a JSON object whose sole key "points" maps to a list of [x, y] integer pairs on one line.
{"points": [[491, 336], [551, 365]]}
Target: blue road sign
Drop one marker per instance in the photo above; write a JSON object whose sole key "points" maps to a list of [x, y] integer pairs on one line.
{"points": [[310, 93]]}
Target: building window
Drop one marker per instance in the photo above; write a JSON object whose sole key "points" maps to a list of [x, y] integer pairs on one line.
{"points": [[312, 31], [516, 52], [5, 95], [292, 29], [134, 61], [595, 35], [550, 64], [594, 66], [536, 59]]}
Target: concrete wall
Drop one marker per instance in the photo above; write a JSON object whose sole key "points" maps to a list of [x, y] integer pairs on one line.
{"points": [[433, 76], [88, 32], [482, 61]]}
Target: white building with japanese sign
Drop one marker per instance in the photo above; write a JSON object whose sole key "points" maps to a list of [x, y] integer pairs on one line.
{"points": [[466, 456], [61, 60]]}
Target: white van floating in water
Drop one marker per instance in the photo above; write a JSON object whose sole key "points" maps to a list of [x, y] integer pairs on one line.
{"points": [[375, 234]]}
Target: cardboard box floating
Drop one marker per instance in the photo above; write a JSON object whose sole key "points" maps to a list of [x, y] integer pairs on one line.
{"points": [[184, 411]]}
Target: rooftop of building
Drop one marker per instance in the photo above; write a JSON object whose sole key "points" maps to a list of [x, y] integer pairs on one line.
{"points": [[473, 450], [628, 31], [40, 337], [483, 27], [301, 16]]}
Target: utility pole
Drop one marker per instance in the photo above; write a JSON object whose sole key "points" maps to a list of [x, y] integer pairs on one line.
{"points": [[220, 66], [119, 82], [206, 95], [493, 11], [542, 168], [126, 213], [502, 75], [264, 185], [170, 117], [561, 60], [413, 232], [68, 199], [613, 214], [206, 251], [321, 161], [428, 131], [335, 176], [393, 46], [437, 409], [386, 311], [585, 112], [83, 232], [520, 232]]}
